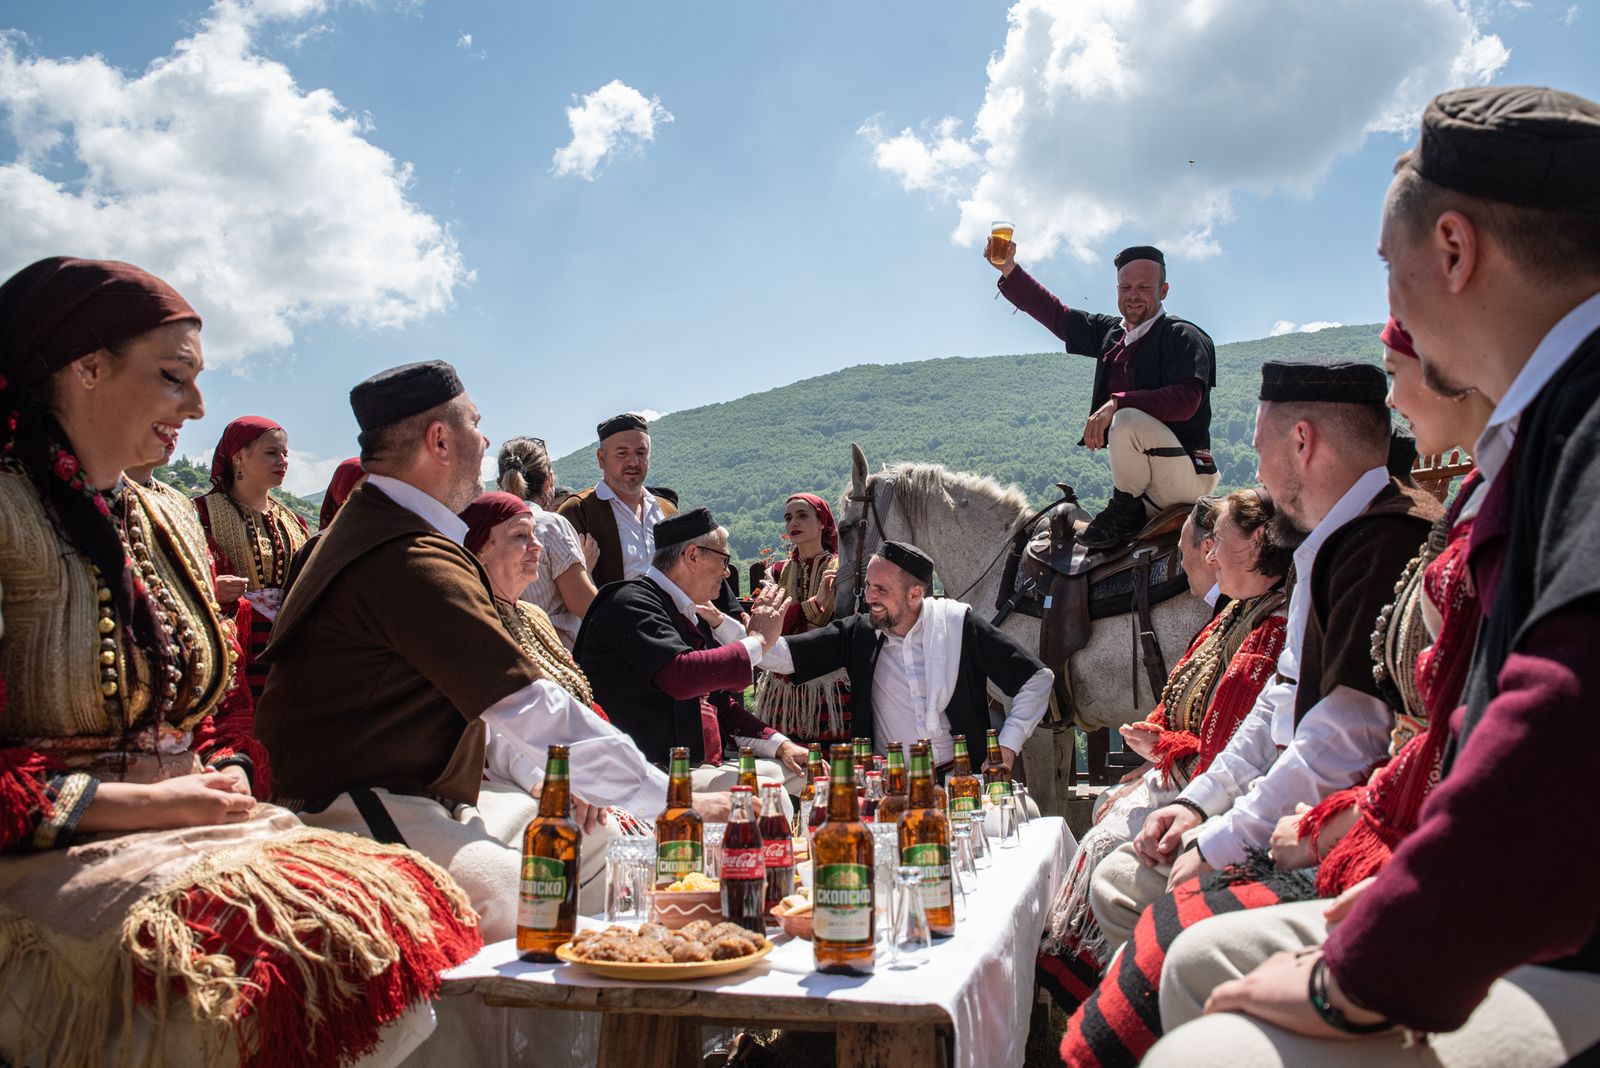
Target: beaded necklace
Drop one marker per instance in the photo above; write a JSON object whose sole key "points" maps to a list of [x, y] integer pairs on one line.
{"points": [[262, 529], [539, 640]]}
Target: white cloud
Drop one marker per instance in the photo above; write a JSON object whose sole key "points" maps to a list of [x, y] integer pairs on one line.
{"points": [[1284, 326], [650, 414], [1153, 114], [308, 474], [262, 202], [1571, 15], [614, 118], [464, 41]]}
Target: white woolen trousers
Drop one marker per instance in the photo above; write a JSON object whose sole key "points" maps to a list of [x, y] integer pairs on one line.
{"points": [[1166, 480]]}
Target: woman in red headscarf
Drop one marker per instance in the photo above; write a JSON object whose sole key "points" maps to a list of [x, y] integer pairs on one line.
{"points": [[817, 711], [149, 905], [253, 537]]}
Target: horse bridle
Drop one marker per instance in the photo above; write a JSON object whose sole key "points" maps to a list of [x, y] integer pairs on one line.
{"points": [[868, 497]]}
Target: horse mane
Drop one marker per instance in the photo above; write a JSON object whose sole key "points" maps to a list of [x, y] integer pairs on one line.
{"points": [[921, 486]]}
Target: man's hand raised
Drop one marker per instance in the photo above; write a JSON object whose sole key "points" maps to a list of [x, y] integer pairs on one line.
{"points": [[767, 609]]}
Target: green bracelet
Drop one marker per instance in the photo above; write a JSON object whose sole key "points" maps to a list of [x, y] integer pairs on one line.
{"points": [[1317, 989]]}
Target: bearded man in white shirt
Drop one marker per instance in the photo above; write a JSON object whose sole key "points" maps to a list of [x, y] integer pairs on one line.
{"points": [[1322, 436]]}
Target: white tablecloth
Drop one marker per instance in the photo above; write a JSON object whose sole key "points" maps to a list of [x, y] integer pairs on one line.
{"points": [[982, 977]]}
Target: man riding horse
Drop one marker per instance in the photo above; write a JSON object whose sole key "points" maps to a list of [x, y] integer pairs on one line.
{"points": [[1151, 406]]}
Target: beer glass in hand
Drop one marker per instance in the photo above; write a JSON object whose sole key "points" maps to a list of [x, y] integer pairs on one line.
{"points": [[1000, 247]]}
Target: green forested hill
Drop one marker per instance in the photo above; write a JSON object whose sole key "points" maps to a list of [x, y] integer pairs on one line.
{"points": [[1017, 418], [194, 479]]}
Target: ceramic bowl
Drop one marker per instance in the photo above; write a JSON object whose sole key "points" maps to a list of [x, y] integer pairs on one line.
{"points": [[673, 909], [794, 926]]}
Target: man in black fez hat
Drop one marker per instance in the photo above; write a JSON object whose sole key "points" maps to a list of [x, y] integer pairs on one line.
{"points": [[669, 677], [920, 666], [1151, 404], [1491, 230], [619, 511], [1322, 440], [393, 680]]}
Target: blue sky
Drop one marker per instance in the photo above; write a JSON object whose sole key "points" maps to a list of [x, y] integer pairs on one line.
{"points": [[341, 187]]}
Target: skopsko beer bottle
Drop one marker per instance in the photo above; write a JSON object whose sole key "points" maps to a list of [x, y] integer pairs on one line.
{"points": [[894, 800], [815, 769], [547, 898], [966, 792], [925, 844], [680, 836], [777, 849], [996, 776], [842, 854], [747, 769], [744, 868], [941, 799]]}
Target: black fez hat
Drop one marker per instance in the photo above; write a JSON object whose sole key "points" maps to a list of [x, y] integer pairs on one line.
{"points": [[1323, 381], [1139, 252], [908, 558], [618, 423], [685, 526], [390, 396], [1518, 144], [1402, 452]]}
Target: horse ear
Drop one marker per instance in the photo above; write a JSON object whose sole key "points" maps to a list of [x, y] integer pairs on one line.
{"points": [[858, 466]]}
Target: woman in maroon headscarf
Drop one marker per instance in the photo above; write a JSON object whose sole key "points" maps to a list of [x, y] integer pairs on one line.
{"points": [[817, 711], [253, 538], [136, 871]]}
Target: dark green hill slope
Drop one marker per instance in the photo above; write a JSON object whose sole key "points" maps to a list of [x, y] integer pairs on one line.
{"points": [[194, 479], [1017, 418]]}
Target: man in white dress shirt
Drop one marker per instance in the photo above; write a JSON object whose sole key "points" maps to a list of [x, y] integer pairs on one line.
{"points": [[920, 666], [1322, 435], [619, 512]]}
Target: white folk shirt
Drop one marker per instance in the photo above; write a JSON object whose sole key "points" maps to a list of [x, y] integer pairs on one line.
{"points": [[605, 767], [900, 690], [1337, 740], [637, 534]]}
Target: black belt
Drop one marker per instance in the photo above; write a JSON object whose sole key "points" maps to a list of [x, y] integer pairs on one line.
{"points": [[379, 822]]}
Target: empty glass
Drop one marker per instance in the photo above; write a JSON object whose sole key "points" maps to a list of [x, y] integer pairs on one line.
{"points": [[711, 837], [630, 870], [1020, 793], [982, 851], [963, 867], [885, 858], [1010, 828], [911, 939]]}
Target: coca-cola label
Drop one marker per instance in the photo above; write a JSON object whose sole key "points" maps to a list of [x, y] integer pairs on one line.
{"points": [[778, 853], [743, 864]]}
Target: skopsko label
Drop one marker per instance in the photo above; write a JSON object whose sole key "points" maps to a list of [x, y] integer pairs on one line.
{"points": [[843, 907], [544, 888], [778, 853], [963, 804], [933, 860], [674, 860], [998, 790], [743, 864]]}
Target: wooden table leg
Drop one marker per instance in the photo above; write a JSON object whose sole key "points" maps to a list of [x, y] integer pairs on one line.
{"points": [[638, 1040], [871, 1045]]}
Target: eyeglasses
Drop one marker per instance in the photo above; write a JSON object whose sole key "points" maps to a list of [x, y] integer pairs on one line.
{"points": [[719, 552]]}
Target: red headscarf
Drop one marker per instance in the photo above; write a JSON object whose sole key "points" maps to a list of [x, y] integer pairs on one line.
{"points": [[343, 483], [1394, 336], [240, 433], [830, 531], [488, 512]]}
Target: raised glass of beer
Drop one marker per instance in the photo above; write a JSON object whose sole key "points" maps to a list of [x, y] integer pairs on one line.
{"points": [[999, 233]]}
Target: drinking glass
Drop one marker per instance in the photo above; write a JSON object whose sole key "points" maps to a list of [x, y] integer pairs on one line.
{"points": [[1010, 829], [982, 851], [885, 858], [711, 838], [629, 870], [999, 231], [912, 939], [1020, 793], [963, 866]]}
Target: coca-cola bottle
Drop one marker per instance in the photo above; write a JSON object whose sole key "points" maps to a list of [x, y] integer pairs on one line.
{"points": [[819, 811], [777, 848], [872, 798], [744, 871]]}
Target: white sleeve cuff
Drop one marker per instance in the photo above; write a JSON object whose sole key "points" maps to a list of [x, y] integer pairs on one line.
{"points": [[776, 659], [1219, 845], [1211, 795]]}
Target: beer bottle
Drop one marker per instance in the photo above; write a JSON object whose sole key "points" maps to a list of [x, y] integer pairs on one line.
{"points": [[925, 844], [680, 840], [996, 776], [964, 788], [777, 848], [941, 800], [815, 769], [747, 769], [547, 898], [744, 870], [894, 799], [842, 855]]}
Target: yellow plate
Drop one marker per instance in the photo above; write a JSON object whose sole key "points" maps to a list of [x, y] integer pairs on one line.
{"points": [[698, 969]]}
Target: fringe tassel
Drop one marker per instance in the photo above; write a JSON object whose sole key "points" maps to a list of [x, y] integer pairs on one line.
{"points": [[1172, 747], [800, 711], [1073, 929], [23, 792], [1312, 823], [67, 1015], [1360, 853], [304, 945]]}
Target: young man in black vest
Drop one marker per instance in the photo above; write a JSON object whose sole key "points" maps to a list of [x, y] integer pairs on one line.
{"points": [[1151, 407], [920, 665]]}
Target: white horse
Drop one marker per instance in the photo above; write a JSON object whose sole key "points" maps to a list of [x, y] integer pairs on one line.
{"points": [[965, 522]]}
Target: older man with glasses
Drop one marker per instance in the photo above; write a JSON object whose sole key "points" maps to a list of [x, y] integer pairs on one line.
{"points": [[670, 670]]}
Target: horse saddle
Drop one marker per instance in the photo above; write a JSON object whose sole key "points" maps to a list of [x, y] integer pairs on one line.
{"points": [[1066, 587]]}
